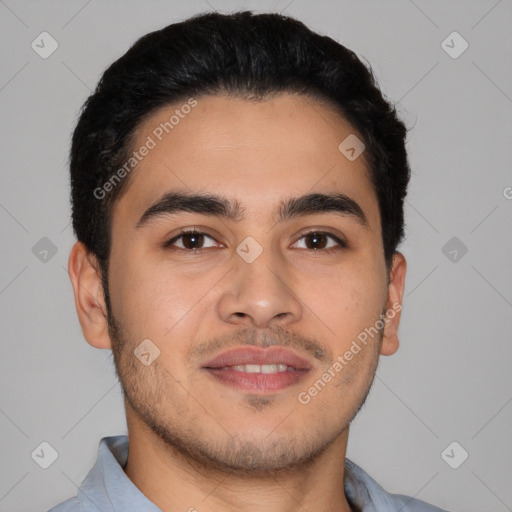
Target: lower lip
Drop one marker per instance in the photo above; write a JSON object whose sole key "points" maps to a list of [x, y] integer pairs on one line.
{"points": [[257, 382]]}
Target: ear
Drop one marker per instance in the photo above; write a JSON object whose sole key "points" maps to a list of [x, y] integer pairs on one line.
{"points": [[85, 274], [396, 287]]}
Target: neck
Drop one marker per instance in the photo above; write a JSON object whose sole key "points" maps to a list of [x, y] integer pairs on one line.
{"points": [[165, 476]]}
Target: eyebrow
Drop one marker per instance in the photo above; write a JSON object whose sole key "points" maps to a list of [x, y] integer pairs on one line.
{"points": [[173, 202]]}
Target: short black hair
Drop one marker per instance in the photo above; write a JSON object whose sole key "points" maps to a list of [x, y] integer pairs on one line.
{"points": [[242, 54]]}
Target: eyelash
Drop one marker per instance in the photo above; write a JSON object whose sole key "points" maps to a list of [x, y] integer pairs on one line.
{"points": [[341, 244]]}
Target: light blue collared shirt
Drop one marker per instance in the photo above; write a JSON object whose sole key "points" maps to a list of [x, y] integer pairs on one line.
{"points": [[107, 488]]}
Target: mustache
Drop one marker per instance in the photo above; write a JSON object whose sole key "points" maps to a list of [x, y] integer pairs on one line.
{"points": [[252, 336]]}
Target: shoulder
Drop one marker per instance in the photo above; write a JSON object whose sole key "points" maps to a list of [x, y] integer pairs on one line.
{"points": [[408, 504], [70, 505]]}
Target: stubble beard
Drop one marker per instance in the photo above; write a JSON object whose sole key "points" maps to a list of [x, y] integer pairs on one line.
{"points": [[235, 454]]}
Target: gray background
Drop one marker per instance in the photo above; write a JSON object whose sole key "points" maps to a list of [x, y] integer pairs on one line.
{"points": [[450, 380]]}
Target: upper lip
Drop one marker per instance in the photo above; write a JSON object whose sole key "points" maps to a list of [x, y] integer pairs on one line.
{"points": [[258, 355]]}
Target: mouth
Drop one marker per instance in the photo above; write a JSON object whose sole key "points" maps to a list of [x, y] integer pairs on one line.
{"points": [[258, 370]]}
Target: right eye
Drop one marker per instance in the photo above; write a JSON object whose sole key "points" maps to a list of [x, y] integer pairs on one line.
{"points": [[190, 241]]}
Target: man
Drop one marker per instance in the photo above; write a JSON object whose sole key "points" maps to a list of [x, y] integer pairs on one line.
{"points": [[237, 190]]}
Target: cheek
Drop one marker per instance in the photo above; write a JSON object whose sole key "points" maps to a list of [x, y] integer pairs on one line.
{"points": [[149, 299], [350, 300], [157, 303]]}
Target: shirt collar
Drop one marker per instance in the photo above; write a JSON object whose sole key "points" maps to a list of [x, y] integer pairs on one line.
{"points": [[107, 487]]}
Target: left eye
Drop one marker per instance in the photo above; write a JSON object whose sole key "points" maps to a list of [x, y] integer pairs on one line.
{"points": [[318, 240]]}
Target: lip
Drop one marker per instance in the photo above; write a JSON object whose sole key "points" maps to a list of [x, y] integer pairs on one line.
{"points": [[260, 383], [257, 355]]}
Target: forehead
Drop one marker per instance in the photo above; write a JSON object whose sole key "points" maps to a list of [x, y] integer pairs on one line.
{"points": [[254, 152]]}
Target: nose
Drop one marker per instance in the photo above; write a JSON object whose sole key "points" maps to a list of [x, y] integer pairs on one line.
{"points": [[259, 294]]}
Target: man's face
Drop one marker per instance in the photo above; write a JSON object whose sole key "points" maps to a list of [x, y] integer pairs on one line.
{"points": [[293, 301]]}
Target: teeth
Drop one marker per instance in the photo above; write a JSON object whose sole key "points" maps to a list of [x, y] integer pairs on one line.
{"points": [[257, 368], [253, 368], [269, 368]]}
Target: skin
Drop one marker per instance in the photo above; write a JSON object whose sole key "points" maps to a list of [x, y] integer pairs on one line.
{"points": [[195, 442]]}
